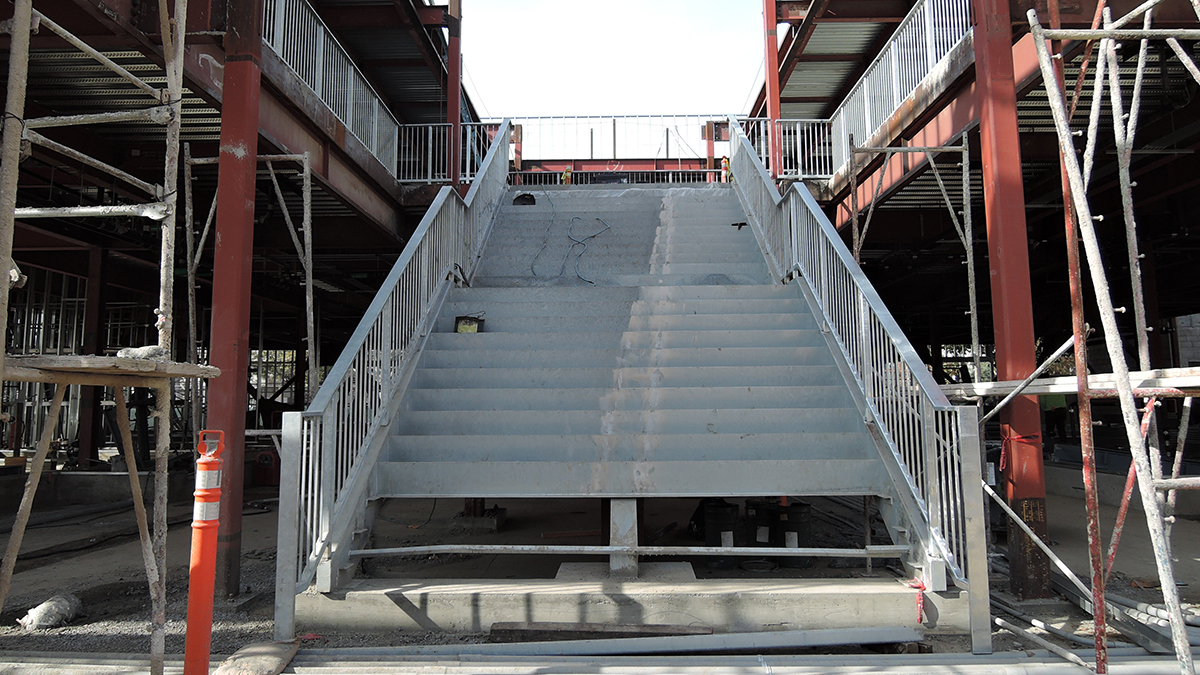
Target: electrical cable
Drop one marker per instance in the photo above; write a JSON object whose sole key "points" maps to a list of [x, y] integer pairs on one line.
{"points": [[582, 242], [546, 234], [412, 527]]}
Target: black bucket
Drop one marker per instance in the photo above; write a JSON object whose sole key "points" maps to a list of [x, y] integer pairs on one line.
{"points": [[762, 522], [795, 531], [720, 524]]}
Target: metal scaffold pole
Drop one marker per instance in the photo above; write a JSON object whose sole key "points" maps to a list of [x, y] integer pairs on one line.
{"points": [[1145, 451], [66, 370]]}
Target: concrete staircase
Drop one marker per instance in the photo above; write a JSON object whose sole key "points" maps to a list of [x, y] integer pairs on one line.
{"points": [[632, 345]]}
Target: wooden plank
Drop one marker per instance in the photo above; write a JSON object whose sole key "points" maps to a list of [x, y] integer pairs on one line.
{"points": [[1173, 378], [111, 364], [19, 374]]}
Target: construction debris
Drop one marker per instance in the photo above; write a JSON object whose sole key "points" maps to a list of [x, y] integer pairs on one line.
{"points": [[56, 611]]}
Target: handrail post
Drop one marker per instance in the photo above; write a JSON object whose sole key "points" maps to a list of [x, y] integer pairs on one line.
{"points": [[866, 368], [932, 487], [287, 540], [974, 524]]}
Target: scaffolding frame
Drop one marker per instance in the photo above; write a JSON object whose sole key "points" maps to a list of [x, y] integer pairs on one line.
{"points": [[302, 243], [963, 227], [62, 371], [1147, 460]]}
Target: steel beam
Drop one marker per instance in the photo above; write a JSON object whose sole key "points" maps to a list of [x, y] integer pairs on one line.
{"points": [[1012, 314], [232, 252]]}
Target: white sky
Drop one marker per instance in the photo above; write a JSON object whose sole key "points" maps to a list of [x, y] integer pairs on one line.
{"points": [[527, 58]]}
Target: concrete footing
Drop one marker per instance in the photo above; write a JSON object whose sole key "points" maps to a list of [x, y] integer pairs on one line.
{"points": [[726, 605]]}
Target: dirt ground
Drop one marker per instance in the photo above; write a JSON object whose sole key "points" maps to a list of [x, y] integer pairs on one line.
{"points": [[91, 552]]}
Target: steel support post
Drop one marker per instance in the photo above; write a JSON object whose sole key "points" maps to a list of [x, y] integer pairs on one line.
{"points": [[232, 252], [1012, 315], [623, 531], [90, 397], [771, 45], [454, 91]]}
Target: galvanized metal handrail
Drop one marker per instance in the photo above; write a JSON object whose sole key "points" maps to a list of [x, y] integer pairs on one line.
{"points": [[424, 150], [296, 33], [927, 34], [616, 176], [938, 453], [607, 137], [329, 449], [805, 149]]}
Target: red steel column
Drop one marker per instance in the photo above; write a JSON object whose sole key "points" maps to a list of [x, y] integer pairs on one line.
{"points": [[454, 90], [770, 24], [233, 249], [1012, 315]]}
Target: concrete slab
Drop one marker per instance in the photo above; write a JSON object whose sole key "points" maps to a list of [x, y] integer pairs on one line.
{"points": [[726, 605], [668, 572]]}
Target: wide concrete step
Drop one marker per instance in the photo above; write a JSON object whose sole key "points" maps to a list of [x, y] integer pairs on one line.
{"points": [[616, 357], [699, 306], [619, 478], [732, 420], [494, 309], [585, 293], [629, 447], [718, 252], [627, 378], [754, 605], [742, 268], [697, 339], [707, 255], [625, 322], [605, 398], [510, 279]]}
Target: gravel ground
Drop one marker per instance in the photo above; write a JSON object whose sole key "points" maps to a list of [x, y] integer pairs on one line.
{"points": [[117, 619]]}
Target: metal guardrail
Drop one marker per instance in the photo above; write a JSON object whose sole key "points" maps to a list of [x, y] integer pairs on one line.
{"points": [[819, 148], [618, 137], [935, 444], [616, 177], [296, 33], [424, 148], [806, 149], [930, 31], [330, 448]]}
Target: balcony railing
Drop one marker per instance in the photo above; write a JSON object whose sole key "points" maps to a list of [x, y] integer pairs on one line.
{"points": [[294, 31], [930, 31]]}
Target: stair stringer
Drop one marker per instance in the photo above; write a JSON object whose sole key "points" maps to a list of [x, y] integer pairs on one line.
{"points": [[903, 515]]}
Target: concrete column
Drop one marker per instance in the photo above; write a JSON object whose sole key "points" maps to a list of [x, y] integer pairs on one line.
{"points": [[623, 531], [1012, 314], [233, 251]]}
